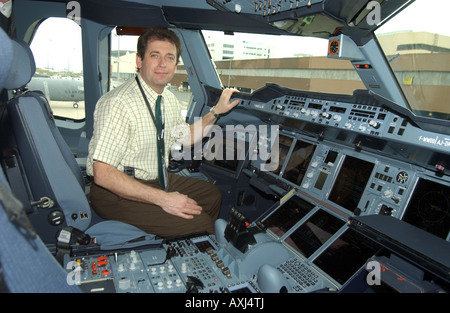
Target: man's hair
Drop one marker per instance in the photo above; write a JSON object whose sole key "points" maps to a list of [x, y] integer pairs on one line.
{"points": [[158, 33]]}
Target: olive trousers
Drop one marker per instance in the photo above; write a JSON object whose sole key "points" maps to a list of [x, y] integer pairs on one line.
{"points": [[152, 218]]}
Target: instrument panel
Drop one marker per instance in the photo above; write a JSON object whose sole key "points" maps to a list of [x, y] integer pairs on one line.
{"points": [[363, 114], [262, 7], [201, 264], [337, 158], [352, 153], [298, 248]]}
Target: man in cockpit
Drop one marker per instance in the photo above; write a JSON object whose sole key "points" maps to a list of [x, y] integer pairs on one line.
{"points": [[131, 143]]}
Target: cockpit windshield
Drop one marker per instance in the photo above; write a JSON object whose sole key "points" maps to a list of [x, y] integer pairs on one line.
{"points": [[416, 43], [249, 61]]}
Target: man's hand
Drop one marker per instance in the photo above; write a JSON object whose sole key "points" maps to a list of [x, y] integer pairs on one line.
{"points": [[224, 105], [201, 128], [180, 205], [129, 188]]}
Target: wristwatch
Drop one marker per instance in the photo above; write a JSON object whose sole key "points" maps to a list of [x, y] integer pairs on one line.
{"points": [[214, 112]]}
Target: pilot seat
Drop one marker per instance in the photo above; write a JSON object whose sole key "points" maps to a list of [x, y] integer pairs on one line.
{"points": [[44, 174]]}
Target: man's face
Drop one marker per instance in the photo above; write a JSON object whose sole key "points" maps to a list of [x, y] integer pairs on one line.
{"points": [[159, 64]]}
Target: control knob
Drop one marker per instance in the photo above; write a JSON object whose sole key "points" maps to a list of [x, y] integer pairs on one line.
{"points": [[124, 283], [305, 111], [374, 124]]}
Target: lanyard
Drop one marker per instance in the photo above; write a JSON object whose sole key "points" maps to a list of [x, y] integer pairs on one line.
{"points": [[150, 109], [160, 138]]}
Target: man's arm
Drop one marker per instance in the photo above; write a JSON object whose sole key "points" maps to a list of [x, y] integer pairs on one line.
{"points": [[108, 177], [200, 128]]}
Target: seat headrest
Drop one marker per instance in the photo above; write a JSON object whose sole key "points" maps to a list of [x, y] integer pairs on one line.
{"points": [[6, 56], [17, 63]]}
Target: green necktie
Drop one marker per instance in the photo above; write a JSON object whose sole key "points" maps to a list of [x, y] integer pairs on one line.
{"points": [[158, 133]]}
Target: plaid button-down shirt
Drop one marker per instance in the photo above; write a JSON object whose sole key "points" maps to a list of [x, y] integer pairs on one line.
{"points": [[124, 132]]}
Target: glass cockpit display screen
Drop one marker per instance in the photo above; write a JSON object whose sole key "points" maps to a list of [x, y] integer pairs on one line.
{"points": [[287, 215], [228, 153], [226, 156], [429, 208], [298, 162], [350, 182], [313, 233], [346, 255], [284, 144]]}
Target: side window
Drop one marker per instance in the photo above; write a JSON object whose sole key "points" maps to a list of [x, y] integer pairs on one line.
{"points": [[57, 52]]}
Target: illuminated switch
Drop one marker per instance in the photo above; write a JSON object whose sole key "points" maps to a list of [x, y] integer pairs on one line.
{"points": [[102, 258], [102, 263]]}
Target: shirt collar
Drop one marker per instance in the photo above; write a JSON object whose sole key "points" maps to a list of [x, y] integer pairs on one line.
{"points": [[6, 8], [149, 92]]}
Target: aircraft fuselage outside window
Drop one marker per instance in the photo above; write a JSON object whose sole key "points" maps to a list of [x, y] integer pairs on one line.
{"points": [[57, 51]]}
